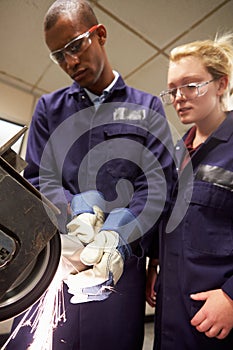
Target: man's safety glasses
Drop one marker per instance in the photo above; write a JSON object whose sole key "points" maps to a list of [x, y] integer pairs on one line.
{"points": [[188, 91], [73, 48]]}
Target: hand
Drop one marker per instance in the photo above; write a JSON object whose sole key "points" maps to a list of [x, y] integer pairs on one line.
{"points": [[215, 318], [97, 283], [150, 283], [71, 248], [86, 286], [103, 254], [86, 225]]}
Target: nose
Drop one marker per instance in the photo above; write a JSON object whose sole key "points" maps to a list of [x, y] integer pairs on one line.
{"points": [[179, 95], [71, 60]]}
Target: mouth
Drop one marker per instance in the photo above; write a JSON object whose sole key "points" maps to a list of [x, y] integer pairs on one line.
{"points": [[79, 74], [184, 110]]}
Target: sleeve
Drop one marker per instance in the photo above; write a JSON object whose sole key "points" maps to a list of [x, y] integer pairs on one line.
{"points": [[45, 175], [228, 287], [85, 201]]}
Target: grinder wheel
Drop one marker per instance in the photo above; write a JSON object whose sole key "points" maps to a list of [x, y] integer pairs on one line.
{"points": [[33, 282]]}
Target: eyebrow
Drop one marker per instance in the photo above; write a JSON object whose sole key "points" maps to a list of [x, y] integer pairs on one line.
{"points": [[185, 81]]}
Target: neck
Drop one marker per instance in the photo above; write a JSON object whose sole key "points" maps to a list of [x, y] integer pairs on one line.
{"points": [[103, 81]]}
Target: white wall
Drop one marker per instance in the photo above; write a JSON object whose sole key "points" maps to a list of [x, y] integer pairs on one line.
{"points": [[16, 106]]}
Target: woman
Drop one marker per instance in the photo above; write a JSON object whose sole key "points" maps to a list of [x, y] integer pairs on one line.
{"points": [[194, 291]]}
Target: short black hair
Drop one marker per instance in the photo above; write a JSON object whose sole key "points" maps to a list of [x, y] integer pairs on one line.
{"points": [[80, 8]]}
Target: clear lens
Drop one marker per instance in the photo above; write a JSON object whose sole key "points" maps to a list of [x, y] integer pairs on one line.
{"points": [[76, 47], [57, 57], [167, 97], [189, 92]]}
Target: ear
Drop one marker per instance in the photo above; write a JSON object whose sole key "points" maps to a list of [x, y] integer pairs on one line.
{"points": [[222, 85], [102, 34]]}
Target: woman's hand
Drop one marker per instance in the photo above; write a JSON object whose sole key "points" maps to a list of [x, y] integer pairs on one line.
{"points": [[215, 318]]}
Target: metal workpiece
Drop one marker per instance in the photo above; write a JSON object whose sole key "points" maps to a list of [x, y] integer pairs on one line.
{"points": [[29, 242]]}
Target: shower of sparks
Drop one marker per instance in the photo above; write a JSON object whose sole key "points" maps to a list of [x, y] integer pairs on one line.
{"points": [[49, 312], [50, 309]]}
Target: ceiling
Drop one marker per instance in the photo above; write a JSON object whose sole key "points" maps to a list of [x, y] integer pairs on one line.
{"points": [[140, 36]]}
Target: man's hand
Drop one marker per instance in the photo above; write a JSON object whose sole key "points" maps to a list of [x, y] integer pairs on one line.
{"points": [[107, 267], [70, 255], [85, 226], [103, 254], [215, 318]]}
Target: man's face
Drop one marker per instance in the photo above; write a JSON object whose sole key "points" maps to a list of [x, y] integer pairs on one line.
{"points": [[85, 67]]}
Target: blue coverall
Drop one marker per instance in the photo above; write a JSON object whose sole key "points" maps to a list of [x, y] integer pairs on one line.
{"points": [[197, 247], [123, 150]]}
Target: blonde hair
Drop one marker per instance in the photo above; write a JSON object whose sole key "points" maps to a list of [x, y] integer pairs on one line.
{"points": [[217, 57]]}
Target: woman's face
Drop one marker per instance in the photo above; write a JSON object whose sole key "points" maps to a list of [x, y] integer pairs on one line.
{"points": [[191, 70]]}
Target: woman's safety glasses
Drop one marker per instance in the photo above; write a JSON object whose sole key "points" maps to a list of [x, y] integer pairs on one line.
{"points": [[188, 91]]}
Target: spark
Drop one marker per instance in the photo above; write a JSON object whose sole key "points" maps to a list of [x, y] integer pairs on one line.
{"points": [[13, 335]]}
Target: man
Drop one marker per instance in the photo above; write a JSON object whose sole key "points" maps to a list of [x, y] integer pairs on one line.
{"points": [[99, 150]]}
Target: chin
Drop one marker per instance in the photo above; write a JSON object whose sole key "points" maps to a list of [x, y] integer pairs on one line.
{"points": [[185, 120]]}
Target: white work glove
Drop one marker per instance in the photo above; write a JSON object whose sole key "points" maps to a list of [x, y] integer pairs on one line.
{"points": [[97, 283], [86, 225], [71, 248], [103, 254]]}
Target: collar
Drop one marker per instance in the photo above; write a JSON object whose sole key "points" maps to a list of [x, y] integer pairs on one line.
{"points": [[225, 130], [117, 83], [105, 92], [222, 133], [190, 137]]}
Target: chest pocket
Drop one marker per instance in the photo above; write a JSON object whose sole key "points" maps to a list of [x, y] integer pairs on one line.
{"points": [[209, 220], [124, 147]]}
